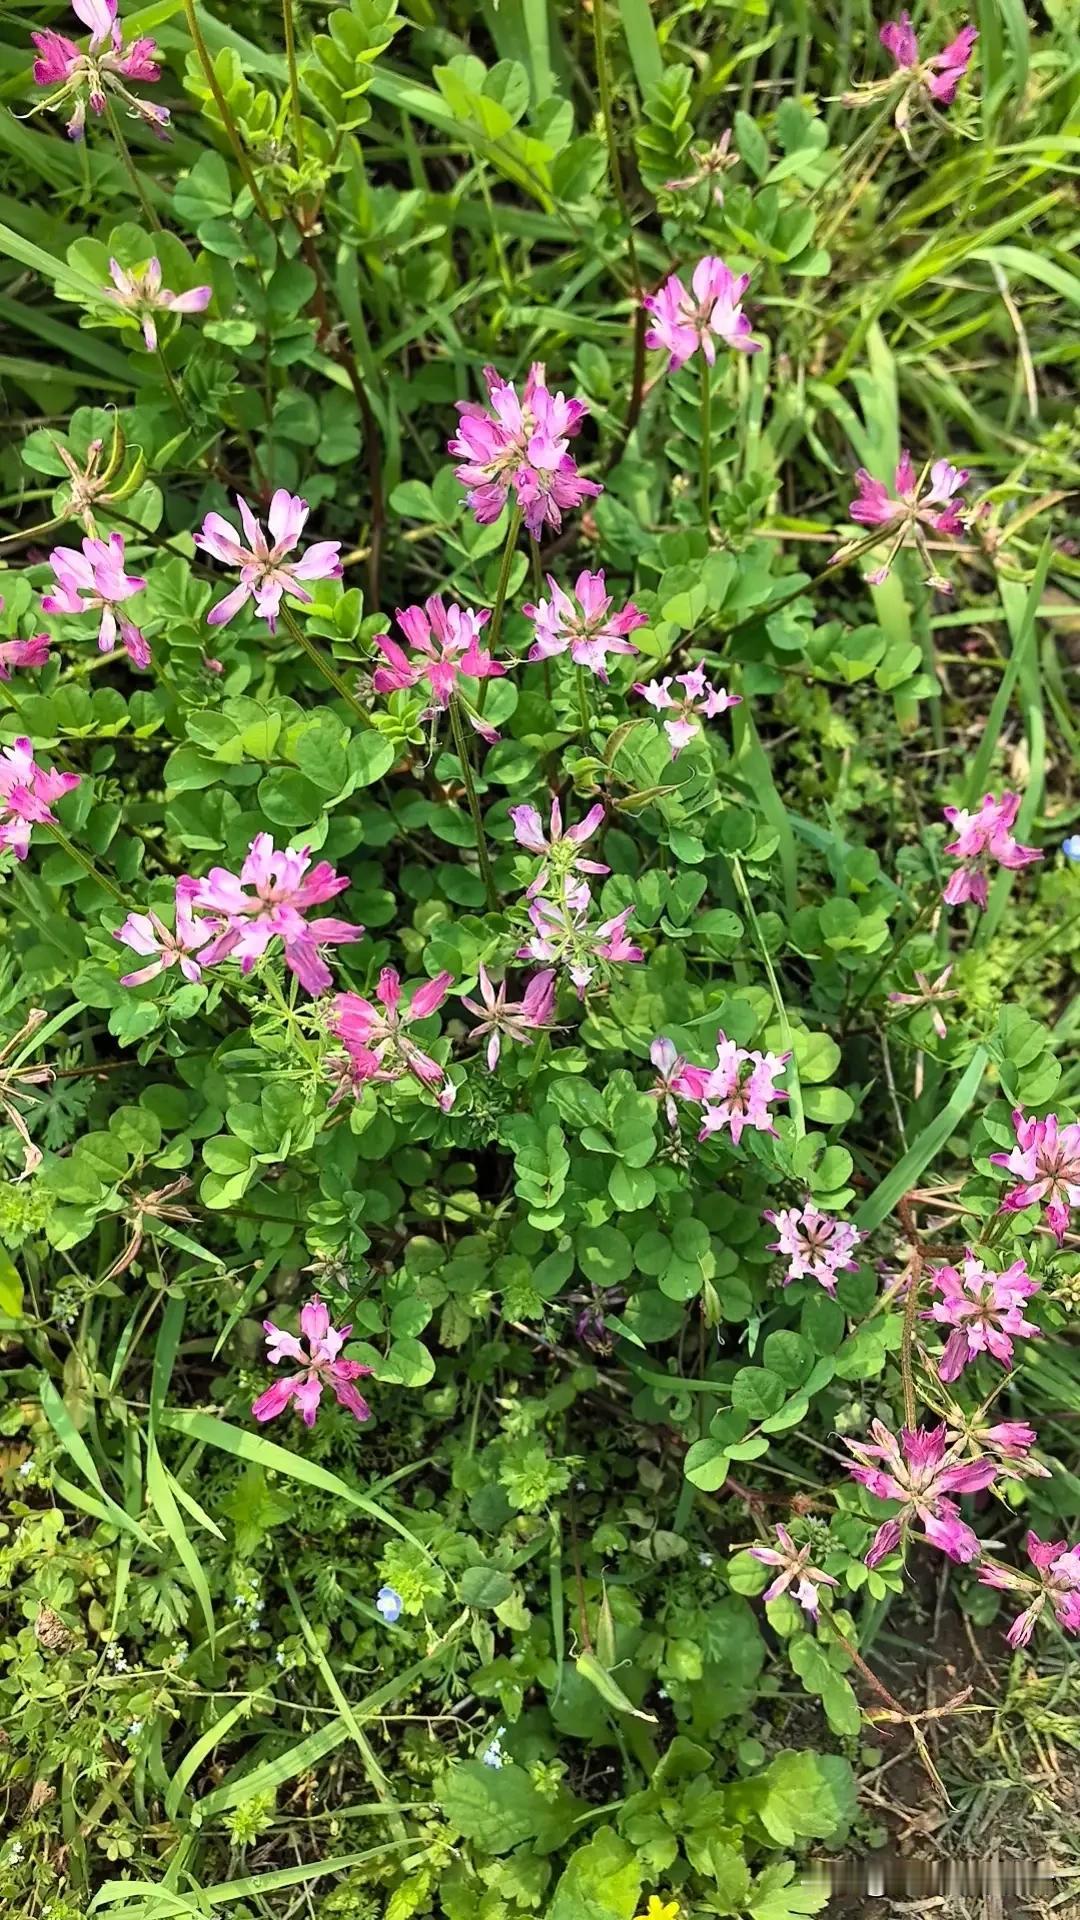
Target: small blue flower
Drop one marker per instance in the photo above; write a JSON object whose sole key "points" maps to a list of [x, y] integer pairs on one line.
{"points": [[1071, 848], [389, 1603]]}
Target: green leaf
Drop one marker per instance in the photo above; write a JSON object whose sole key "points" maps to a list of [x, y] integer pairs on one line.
{"points": [[484, 1587], [591, 1669], [601, 1881]]}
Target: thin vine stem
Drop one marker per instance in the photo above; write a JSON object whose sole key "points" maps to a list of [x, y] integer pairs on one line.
{"points": [[129, 166], [222, 105], [319, 661], [461, 747]]}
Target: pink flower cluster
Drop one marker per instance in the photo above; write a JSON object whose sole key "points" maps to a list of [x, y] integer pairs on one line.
{"points": [[795, 1571], [942, 73], [735, 1094], [911, 510], [564, 935], [583, 624], [446, 645], [94, 581], [87, 79], [140, 293], [500, 1019], [320, 1366], [1046, 1162], [266, 572], [684, 323], [27, 792], [817, 1246], [517, 448], [376, 1037], [245, 913], [984, 1310], [22, 653], [1054, 1583], [922, 1472], [983, 840], [699, 701]]}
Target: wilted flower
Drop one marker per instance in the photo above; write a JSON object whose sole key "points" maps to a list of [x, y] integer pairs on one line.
{"points": [[917, 1470], [559, 850], [140, 292], [15, 1084], [564, 937], [931, 83], [1055, 1583], [519, 448], [983, 840], [265, 570], [499, 1018], [709, 165], [146, 933], [699, 701], [27, 792], [1046, 1158], [446, 643], [931, 993], [390, 1604], [282, 891], [984, 1309], [911, 511], [588, 628], [675, 1079], [376, 1036], [795, 1569], [682, 322], [321, 1366], [739, 1090], [817, 1246], [94, 581], [86, 79]]}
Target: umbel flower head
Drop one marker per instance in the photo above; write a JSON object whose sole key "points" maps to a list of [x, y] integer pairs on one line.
{"points": [[918, 1469], [1046, 1161], [563, 936], [94, 581], [740, 1089], [560, 851], [685, 323], [500, 1019], [445, 639], [583, 624], [983, 840], [266, 572], [27, 792], [376, 1034], [685, 712], [147, 933], [320, 1366], [817, 1246], [1054, 1582], [984, 1310], [267, 901], [930, 83], [139, 291], [517, 450], [87, 79], [911, 509], [795, 1571]]}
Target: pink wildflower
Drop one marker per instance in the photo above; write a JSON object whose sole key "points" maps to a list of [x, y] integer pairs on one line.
{"points": [[910, 511], [266, 572], [446, 643], [499, 1018], [699, 701], [376, 1036], [322, 1366], [675, 1079], [983, 839], [739, 1090], [94, 581], [563, 937], [27, 792], [519, 446], [146, 933], [931, 993], [984, 1309], [1055, 1583], [817, 1246], [1046, 1158], [86, 79], [140, 292], [795, 1569], [588, 628], [916, 1470], [1009, 1442], [682, 322], [942, 72], [282, 891], [559, 850], [23, 653]]}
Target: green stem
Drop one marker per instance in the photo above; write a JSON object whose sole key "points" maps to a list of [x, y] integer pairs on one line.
{"points": [[227, 121], [583, 704], [705, 449], [495, 630], [319, 660], [294, 80], [175, 394], [129, 166], [88, 866], [462, 749], [907, 1339], [615, 164]]}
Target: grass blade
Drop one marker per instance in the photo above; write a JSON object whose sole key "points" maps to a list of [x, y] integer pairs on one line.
{"points": [[910, 1169]]}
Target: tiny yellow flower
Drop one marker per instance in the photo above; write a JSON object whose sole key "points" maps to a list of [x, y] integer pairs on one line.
{"points": [[658, 1909]]}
